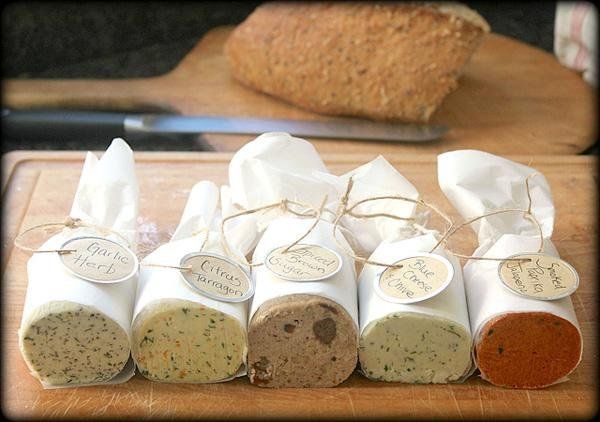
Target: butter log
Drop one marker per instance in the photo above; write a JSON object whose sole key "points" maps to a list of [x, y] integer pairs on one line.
{"points": [[301, 333], [422, 342], [75, 332], [519, 341], [179, 334]]}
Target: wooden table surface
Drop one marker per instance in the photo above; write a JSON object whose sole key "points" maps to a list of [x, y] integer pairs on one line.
{"points": [[39, 187], [512, 99]]}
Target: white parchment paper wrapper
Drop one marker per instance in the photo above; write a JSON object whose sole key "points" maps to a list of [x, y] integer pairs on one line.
{"points": [[341, 287], [277, 166], [449, 304], [476, 183], [157, 284], [107, 195]]}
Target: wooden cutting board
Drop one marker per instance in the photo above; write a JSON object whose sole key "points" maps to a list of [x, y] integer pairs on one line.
{"points": [[513, 99], [39, 187]]}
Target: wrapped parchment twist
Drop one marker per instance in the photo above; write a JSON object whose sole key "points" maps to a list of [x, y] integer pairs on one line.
{"points": [[276, 165], [300, 333], [427, 341], [423, 342], [76, 332], [519, 342], [179, 334]]}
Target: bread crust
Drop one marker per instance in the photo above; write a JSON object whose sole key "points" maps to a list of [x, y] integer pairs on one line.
{"points": [[384, 61]]}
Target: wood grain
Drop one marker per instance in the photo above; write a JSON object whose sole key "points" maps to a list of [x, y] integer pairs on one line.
{"points": [[40, 187], [513, 99]]}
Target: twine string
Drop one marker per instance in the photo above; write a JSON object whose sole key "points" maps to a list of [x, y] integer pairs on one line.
{"points": [[285, 205], [70, 223], [186, 267], [312, 226], [344, 209]]}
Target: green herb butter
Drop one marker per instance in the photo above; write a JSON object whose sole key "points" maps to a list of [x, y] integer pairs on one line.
{"points": [[414, 348], [65, 343]]}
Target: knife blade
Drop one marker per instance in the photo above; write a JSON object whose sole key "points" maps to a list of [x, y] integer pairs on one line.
{"points": [[79, 123]]}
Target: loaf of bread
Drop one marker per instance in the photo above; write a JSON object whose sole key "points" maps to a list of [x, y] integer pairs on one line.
{"points": [[385, 61]]}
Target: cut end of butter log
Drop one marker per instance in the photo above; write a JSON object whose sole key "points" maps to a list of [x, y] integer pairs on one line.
{"points": [[415, 348], [66, 343], [301, 340], [527, 349], [183, 341]]}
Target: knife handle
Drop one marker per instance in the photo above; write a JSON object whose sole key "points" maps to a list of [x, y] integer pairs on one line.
{"points": [[62, 124]]}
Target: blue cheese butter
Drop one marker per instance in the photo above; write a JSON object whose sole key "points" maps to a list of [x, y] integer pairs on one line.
{"points": [[415, 348], [428, 341]]}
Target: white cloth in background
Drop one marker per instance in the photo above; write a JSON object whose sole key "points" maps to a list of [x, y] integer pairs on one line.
{"points": [[575, 38]]}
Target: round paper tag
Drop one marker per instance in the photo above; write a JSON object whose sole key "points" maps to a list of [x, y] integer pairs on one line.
{"points": [[217, 277], [99, 260], [303, 262], [421, 277], [544, 277]]}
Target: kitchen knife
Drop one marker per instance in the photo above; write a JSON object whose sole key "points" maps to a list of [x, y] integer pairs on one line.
{"points": [[74, 124]]}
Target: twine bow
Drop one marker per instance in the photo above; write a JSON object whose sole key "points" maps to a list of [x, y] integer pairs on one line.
{"points": [[344, 210]]}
